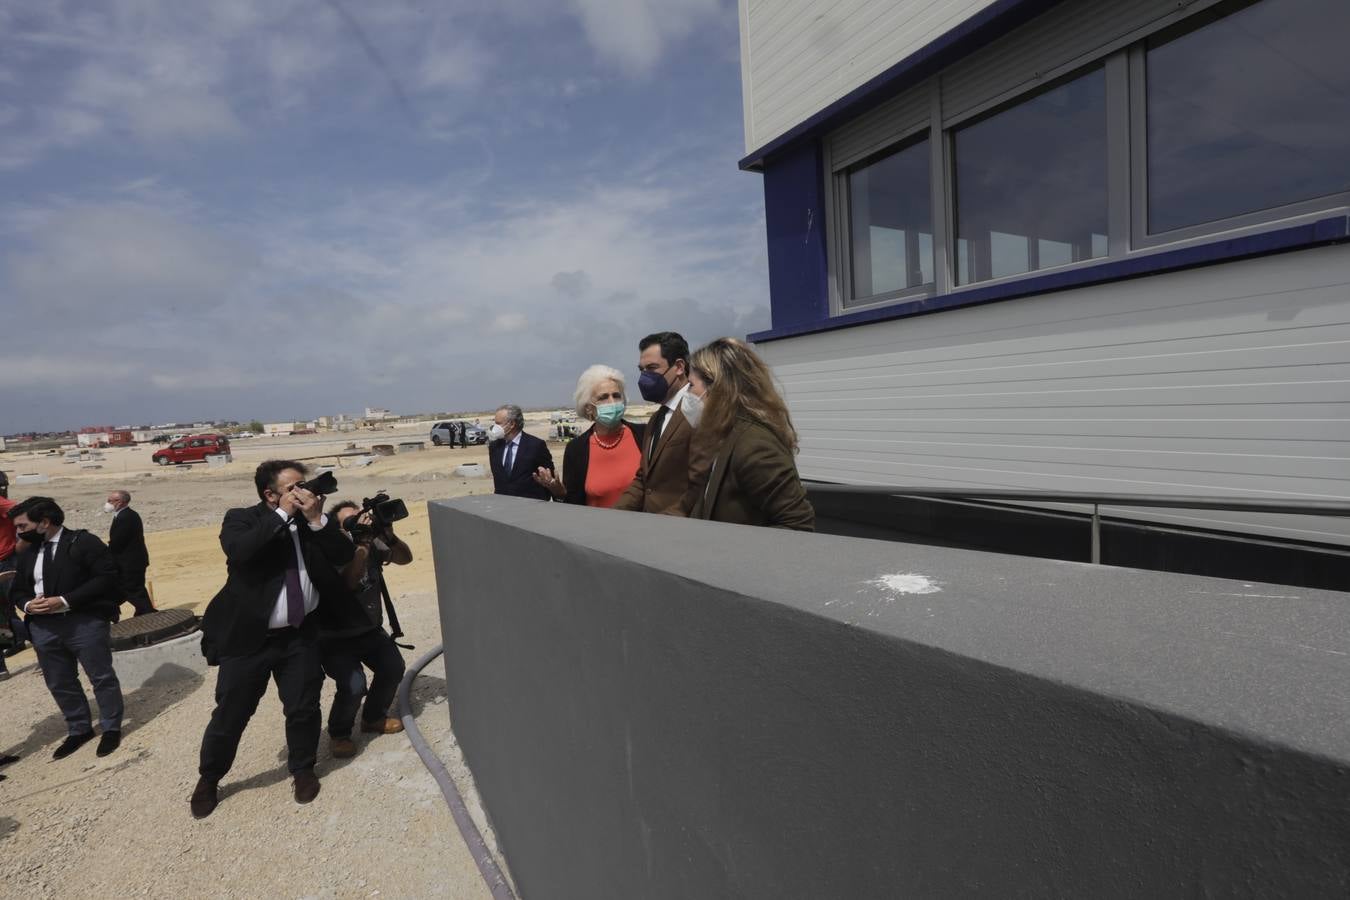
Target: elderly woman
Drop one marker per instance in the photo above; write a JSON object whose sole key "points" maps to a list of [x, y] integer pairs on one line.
{"points": [[740, 419], [599, 463]]}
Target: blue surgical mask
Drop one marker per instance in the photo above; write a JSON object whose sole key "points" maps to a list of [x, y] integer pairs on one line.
{"points": [[609, 414], [653, 387]]}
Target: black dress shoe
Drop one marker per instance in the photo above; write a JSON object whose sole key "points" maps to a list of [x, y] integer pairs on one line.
{"points": [[16, 649], [108, 742], [306, 786], [71, 744], [204, 798]]}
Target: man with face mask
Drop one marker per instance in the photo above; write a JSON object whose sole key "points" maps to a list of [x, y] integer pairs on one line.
{"points": [[515, 457], [66, 585], [281, 556], [126, 542], [669, 473]]}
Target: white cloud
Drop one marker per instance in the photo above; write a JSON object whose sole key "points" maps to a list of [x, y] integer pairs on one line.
{"points": [[634, 34]]}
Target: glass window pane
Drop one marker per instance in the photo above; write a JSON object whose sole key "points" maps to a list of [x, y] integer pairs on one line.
{"points": [[890, 223], [1248, 112], [1031, 183]]}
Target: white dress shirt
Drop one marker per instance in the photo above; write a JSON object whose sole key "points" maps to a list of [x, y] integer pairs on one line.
{"points": [[38, 585], [672, 406], [511, 454], [280, 611]]}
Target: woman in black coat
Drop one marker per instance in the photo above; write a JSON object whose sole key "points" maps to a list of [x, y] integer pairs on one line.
{"points": [[599, 463]]}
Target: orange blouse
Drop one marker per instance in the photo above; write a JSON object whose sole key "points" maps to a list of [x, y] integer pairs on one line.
{"points": [[610, 470]]}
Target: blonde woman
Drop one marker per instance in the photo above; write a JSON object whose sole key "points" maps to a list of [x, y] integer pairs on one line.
{"points": [[598, 464], [741, 421]]}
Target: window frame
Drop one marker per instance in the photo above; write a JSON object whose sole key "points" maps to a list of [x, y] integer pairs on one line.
{"points": [[1122, 59]]}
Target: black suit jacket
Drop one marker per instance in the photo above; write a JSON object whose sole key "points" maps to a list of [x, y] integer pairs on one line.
{"points": [[577, 461], [255, 540], [126, 542], [83, 571], [530, 455]]}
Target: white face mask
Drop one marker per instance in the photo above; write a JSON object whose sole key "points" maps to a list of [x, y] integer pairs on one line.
{"points": [[692, 408], [496, 432], [108, 507]]}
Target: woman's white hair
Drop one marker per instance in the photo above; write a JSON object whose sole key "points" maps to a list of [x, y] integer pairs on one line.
{"points": [[588, 382]]}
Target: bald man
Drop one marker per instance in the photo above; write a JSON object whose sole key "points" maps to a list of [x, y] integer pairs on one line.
{"points": [[126, 542]]}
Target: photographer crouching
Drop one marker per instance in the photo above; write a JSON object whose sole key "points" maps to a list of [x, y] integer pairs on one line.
{"points": [[351, 632]]}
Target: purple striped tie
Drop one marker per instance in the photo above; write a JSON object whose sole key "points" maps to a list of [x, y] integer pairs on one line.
{"points": [[295, 595]]}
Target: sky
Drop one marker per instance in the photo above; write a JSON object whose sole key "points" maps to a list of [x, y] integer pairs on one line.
{"points": [[280, 209]]}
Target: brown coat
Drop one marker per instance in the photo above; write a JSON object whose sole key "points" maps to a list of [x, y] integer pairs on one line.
{"points": [[754, 481], [667, 474]]}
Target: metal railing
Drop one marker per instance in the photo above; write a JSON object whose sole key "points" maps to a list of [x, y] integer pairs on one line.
{"points": [[1097, 501]]}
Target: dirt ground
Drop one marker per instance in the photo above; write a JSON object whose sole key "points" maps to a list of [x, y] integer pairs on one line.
{"points": [[120, 826]]}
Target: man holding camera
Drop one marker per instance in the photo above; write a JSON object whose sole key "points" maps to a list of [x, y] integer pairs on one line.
{"points": [[281, 555], [351, 627]]}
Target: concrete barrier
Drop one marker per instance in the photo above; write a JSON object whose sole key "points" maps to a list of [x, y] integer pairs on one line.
{"points": [[656, 707], [164, 663]]}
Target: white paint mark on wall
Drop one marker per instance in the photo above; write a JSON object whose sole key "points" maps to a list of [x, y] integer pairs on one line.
{"points": [[907, 583]]}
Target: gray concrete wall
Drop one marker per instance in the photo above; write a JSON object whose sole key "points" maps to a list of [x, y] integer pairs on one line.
{"points": [[655, 707]]}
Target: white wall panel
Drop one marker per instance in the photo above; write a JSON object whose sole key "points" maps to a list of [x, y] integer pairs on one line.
{"points": [[798, 56], [1232, 380]]}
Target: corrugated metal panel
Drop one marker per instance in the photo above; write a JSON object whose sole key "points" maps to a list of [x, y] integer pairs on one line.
{"points": [[879, 128], [1231, 379], [1061, 38], [805, 54]]}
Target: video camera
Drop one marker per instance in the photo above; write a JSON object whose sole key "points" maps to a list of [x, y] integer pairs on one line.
{"points": [[322, 485], [383, 513]]}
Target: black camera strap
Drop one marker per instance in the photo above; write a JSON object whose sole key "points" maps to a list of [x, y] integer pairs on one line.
{"points": [[395, 631]]}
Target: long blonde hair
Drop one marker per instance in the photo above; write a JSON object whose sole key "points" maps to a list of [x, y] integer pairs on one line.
{"points": [[739, 384]]}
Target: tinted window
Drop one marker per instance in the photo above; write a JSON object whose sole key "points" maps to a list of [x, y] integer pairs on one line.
{"points": [[891, 223], [1031, 183], [1248, 112]]}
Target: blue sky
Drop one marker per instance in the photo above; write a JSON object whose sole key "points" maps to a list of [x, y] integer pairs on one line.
{"points": [[278, 209]]}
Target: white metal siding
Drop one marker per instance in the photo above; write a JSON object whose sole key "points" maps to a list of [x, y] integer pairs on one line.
{"points": [[1231, 380], [799, 56]]}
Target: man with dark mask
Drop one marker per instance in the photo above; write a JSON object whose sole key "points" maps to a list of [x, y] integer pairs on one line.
{"points": [[66, 585], [668, 474]]}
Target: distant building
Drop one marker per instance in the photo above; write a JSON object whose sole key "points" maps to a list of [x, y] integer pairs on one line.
{"points": [[379, 413], [278, 427]]}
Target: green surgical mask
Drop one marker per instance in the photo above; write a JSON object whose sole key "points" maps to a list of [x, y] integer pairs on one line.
{"points": [[609, 414]]}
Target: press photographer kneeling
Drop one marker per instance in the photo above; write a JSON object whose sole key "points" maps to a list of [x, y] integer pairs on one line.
{"points": [[351, 632]]}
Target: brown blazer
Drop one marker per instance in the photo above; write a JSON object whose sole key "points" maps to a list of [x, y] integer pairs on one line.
{"points": [[668, 472], [754, 481]]}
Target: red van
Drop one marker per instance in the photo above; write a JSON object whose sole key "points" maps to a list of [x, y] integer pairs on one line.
{"points": [[194, 448]]}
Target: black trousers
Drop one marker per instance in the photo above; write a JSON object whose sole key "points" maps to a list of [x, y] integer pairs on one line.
{"points": [[134, 592], [343, 659], [291, 659]]}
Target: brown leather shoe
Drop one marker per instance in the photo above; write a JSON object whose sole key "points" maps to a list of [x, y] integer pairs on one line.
{"points": [[343, 748], [306, 786], [204, 798], [382, 726]]}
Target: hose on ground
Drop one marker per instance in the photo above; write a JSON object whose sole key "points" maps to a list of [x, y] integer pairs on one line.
{"points": [[482, 856]]}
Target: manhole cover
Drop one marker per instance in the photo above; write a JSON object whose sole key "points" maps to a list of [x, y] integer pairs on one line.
{"points": [[142, 631]]}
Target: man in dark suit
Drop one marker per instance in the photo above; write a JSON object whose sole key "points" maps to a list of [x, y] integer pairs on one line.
{"points": [[671, 471], [515, 456], [66, 585], [281, 556], [126, 542]]}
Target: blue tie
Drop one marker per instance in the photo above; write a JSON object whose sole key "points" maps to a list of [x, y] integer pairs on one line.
{"points": [[510, 459]]}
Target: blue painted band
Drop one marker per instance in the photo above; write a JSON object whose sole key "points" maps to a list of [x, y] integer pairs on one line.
{"points": [[983, 28], [1297, 237]]}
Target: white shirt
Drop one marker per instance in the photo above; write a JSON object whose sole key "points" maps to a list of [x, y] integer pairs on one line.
{"points": [[118, 510], [673, 405], [38, 586], [506, 448], [280, 613]]}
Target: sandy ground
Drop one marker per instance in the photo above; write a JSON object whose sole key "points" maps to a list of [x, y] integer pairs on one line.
{"points": [[121, 825]]}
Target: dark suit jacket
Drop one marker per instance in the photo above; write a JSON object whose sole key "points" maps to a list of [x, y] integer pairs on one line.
{"points": [[83, 571], [255, 540], [126, 542], [577, 461], [754, 481], [530, 455], [669, 472]]}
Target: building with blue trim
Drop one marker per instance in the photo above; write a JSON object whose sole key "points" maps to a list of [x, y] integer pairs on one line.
{"points": [[1093, 246]]}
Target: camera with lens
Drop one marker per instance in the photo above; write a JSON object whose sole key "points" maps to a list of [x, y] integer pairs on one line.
{"points": [[383, 513], [321, 485]]}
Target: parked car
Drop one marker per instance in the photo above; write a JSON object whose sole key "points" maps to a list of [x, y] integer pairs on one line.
{"points": [[194, 448], [440, 434]]}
